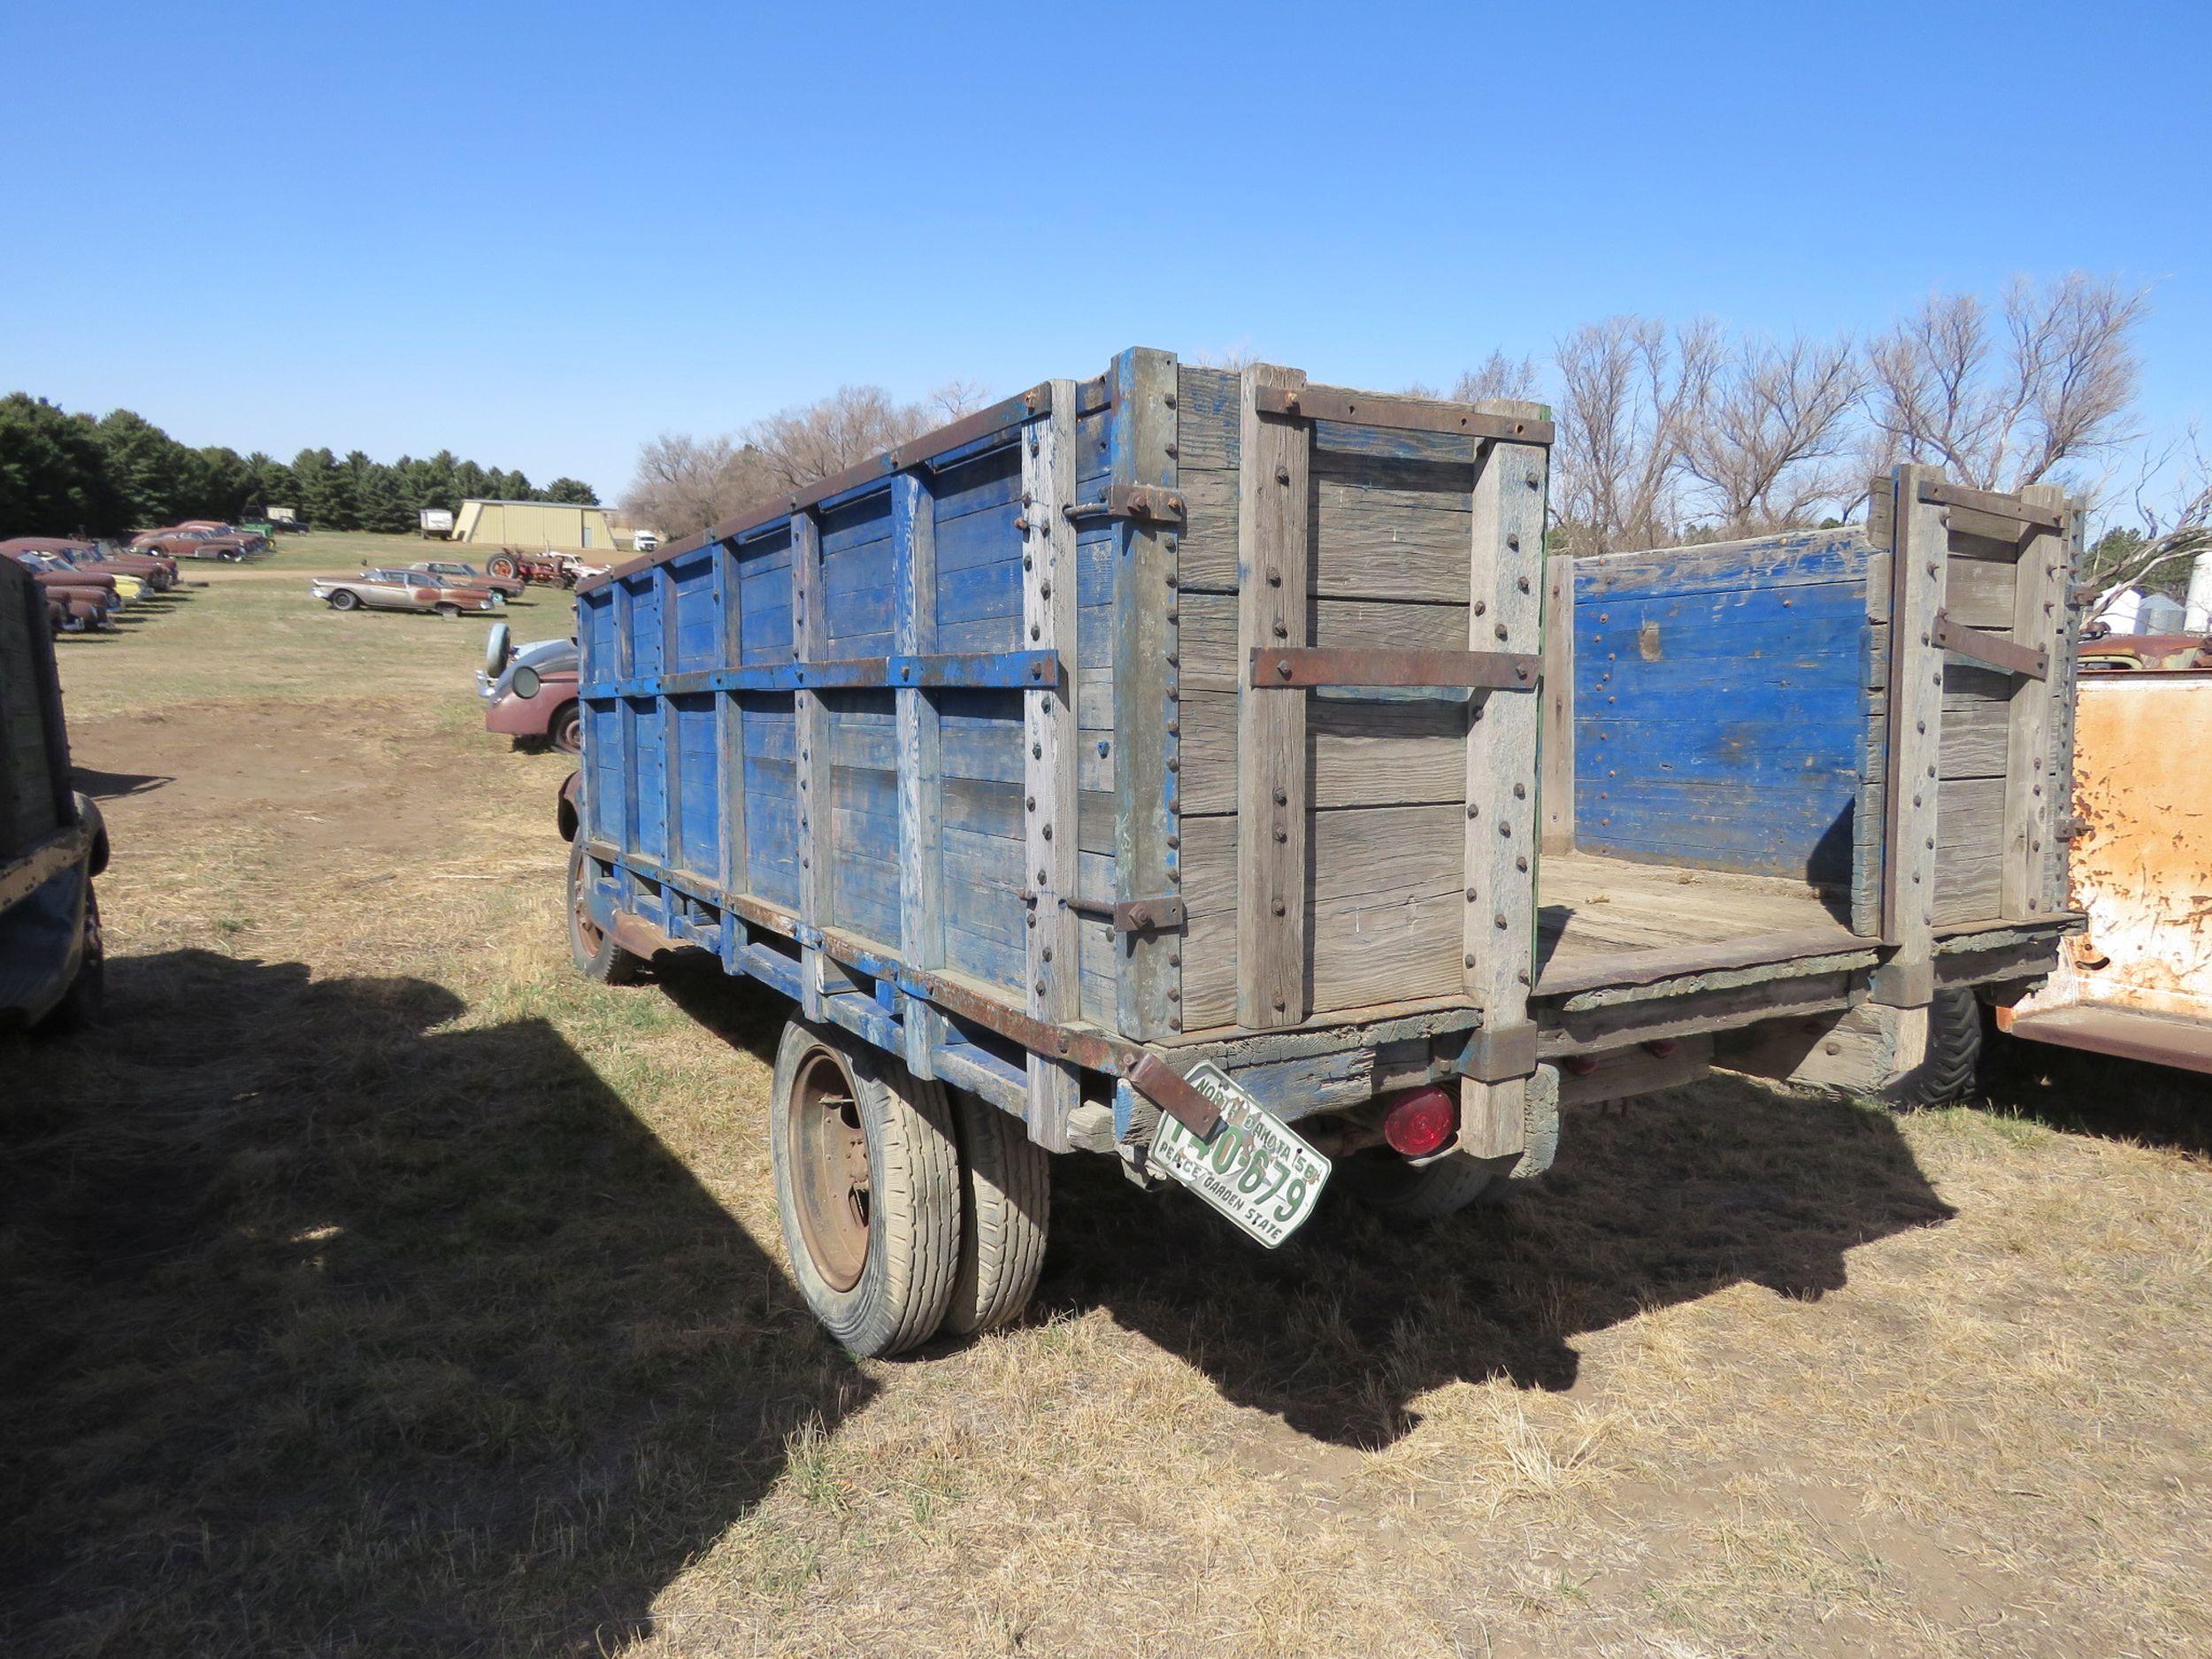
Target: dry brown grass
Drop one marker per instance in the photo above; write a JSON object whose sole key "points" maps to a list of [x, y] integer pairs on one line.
{"points": [[377, 1286]]}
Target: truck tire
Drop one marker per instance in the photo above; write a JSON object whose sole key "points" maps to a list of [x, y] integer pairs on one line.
{"points": [[1386, 1184], [502, 564], [598, 956], [1954, 1050], [867, 1188], [82, 1003], [1006, 1187]]}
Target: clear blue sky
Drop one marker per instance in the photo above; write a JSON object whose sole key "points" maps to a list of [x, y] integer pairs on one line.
{"points": [[540, 234]]}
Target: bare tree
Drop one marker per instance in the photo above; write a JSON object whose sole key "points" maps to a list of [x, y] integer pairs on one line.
{"points": [[2001, 404], [1765, 442], [1499, 376], [684, 484], [956, 398], [1630, 392], [2172, 531]]}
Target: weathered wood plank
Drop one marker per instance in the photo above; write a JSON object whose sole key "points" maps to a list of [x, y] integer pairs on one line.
{"points": [[1916, 743], [1147, 655], [1273, 553], [1501, 835], [2031, 788], [1051, 803], [808, 644], [735, 873], [1211, 645], [1556, 737], [1360, 752], [921, 787]]}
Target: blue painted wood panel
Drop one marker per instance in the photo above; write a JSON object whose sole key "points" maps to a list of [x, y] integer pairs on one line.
{"points": [[699, 773], [1719, 708]]}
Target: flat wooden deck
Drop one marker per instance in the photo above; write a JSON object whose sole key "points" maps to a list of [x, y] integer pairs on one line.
{"points": [[1593, 910]]}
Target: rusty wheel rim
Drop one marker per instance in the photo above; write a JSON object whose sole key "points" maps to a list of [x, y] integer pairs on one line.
{"points": [[589, 934], [827, 1151]]}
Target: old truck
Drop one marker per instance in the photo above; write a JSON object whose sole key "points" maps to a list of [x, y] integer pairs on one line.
{"points": [[52, 842], [2137, 982], [1210, 769]]}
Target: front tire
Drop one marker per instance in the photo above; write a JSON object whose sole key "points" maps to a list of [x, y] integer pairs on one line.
{"points": [[1006, 1188], [500, 565], [567, 730], [867, 1188], [86, 998], [592, 946], [345, 599], [1954, 1050]]}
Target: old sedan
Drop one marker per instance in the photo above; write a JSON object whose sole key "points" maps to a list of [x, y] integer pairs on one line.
{"points": [[403, 590], [531, 690], [512, 586]]}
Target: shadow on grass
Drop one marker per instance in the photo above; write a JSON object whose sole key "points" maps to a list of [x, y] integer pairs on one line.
{"points": [[332, 1331], [108, 786], [2098, 1094], [1683, 1195]]}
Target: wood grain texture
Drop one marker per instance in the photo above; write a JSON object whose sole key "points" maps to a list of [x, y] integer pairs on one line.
{"points": [[1557, 735], [735, 873], [1273, 566], [1501, 830], [1052, 806], [811, 765], [921, 791], [2033, 786], [1920, 548]]}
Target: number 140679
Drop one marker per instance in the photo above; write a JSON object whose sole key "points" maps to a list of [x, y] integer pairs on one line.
{"points": [[1254, 1168]]}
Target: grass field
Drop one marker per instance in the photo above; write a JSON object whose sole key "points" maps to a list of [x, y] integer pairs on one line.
{"points": [[375, 1286]]}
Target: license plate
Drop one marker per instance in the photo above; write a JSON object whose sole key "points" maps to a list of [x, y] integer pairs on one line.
{"points": [[1254, 1168]]}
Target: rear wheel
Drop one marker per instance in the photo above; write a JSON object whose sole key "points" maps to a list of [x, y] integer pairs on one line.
{"points": [[1006, 1187], [345, 599], [502, 564], [1954, 1050], [867, 1188], [449, 611], [597, 955], [567, 730]]}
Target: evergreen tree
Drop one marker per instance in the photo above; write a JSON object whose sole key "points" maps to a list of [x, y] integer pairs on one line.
{"points": [[573, 490], [53, 472], [152, 472]]}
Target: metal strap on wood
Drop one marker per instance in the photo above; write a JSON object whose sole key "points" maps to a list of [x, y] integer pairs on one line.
{"points": [[2030, 515], [1993, 650], [1306, 666], [1009, 670], [1400, 414]]}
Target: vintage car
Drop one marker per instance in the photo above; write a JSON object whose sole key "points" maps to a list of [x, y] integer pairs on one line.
{"points": [[158, 573], [192, 544], [58, 576], [511, 585], [531, 690], [77, 613], [400, 590]]}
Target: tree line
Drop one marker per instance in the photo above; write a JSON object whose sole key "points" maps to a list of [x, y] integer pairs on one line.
{"points": [[1670, 433], [66, 473]]}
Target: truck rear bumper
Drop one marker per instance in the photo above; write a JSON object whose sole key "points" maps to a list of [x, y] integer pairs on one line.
{"points": [[2126, 1033]]}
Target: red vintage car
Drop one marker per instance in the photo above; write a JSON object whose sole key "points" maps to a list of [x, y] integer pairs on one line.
{"points": [[158, 572], [531, 692], [192, 544]]}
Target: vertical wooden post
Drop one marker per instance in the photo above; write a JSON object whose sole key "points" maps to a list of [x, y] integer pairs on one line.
{"points": [[1557, 739], [2065, 671], [2032, 787], [1505, 609], [1920, 544], [1274, 573], [810, 733], [1050, 801], [921, 797], [1147, 689]]}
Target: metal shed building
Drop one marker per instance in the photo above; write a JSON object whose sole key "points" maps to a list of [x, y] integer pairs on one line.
{"points": [[534, 524]]}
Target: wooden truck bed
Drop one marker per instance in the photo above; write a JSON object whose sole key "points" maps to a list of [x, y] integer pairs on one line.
{"points": [[1183, 714]]}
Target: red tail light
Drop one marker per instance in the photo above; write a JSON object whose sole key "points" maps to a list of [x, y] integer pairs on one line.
{"points": [[1421, 1120]]}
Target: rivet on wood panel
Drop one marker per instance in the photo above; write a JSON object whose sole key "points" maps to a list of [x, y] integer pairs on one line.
{"points": [[1474, 811], [1173, 763], [1173, 994], [1046, 954], [1282, 835], [1281, 798], [1274, 578], [1281, 909], [1048, 830], [1470, 895], [1482, 607], [1036, 632], [1521, 863], [1174, 958], [1469, 959], [1500, 919], [1501, 632]]}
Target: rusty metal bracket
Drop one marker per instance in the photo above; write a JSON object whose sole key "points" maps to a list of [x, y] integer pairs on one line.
{"points": [[21, 877], [1498, 1054], [1147, 503], [1942, 495], [1399, 414], [1993, 650], [1167, 1088], [1294, 669], [1133, 916]]}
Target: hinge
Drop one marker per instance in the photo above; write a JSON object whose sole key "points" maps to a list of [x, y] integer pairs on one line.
{"points": [[1992, 651], [1147, 503]]}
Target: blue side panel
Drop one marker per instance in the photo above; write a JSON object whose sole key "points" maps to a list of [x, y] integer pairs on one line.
{"points": [[763, 597], [698, 621], [979, 742], [699, 772], [645, 623], [771, 820], [595, 635], [864, 801], [857, 577], [978, 597], [647, 732], [1720, 714], [603, 755]]}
